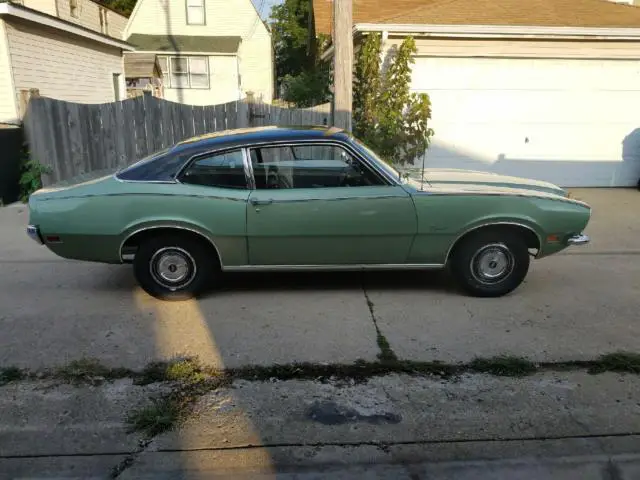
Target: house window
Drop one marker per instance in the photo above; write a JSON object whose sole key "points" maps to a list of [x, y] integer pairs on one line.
{"points": [[185, 72], [195, 12], [73, 8], [104, 22]]}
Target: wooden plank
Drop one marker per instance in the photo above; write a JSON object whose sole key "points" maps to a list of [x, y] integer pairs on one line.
{"points": [[147, 104], [130, 139], [122, 132], [154, 122], [186, 114], [220, 115], [199, 125], [77, 124], [168, 137], [210, 114], [62, 132], [141, 140], [232, 115], [110, 133], [176, 120]]}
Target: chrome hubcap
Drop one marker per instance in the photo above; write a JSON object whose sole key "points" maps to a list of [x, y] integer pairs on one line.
{"points": [[173, 267], [492, 263]]}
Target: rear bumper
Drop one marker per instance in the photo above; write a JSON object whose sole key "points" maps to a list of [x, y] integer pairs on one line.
{"points": [[578, 239], [34, 233]]}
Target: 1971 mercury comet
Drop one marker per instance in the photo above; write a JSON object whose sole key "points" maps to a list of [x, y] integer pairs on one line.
{"points": [[302, 199]]}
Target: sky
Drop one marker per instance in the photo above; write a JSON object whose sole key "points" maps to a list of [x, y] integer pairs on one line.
{"points": [[266, 6]]}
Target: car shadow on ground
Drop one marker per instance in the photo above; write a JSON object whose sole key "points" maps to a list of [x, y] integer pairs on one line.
{"points": [[121, 278]]}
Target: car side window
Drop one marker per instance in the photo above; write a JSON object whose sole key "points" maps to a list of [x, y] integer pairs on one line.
{"points": [[309, 166], [225, 170]]}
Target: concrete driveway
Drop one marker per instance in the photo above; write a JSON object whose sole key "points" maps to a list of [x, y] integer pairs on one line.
{"points": [[576, 305]]}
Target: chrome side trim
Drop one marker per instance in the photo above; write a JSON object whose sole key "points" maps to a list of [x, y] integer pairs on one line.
{"points": [[491, 224], [333, 268], [578, 239], [155, 227]]}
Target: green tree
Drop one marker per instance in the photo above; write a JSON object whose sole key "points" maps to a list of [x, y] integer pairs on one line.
{"points": [[125, 7], [303, 79], [386, 114]]}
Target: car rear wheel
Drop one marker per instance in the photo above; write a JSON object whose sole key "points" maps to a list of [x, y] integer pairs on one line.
{"points": [[491, 263], [173, 267]]}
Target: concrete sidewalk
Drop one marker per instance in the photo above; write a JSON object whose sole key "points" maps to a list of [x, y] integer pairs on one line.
{"points": [[387, 424]]}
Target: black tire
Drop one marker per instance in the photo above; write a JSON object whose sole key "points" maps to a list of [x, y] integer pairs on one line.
{"points": [[174, 266], [478, 260]]}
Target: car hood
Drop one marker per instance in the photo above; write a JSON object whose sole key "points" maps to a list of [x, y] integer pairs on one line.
{"points": [[468, 180]]}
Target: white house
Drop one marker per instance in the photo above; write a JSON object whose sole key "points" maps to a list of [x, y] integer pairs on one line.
{"points": [[210, 51], [547, 89], [65, 49]]}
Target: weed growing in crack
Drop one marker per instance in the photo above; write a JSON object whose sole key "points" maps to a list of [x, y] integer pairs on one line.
{"points": [[617, 362], [89, 370], [504, 366], [191, 380]]}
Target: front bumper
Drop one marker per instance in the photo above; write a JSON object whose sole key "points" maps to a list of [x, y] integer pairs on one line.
{"points": [[34, 233], [578, 239]]}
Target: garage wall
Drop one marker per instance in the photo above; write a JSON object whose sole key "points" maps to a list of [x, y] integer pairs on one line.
{"points": [[573, 122]]}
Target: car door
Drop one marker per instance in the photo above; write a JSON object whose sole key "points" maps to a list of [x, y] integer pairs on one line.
{"points": [[317, 204]]}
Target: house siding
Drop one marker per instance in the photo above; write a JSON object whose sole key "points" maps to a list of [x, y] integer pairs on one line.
{"points": [[7, 103], [89, 17], [523, 48], [223, 18], [63, 67], [223, 79], [45, 6]]}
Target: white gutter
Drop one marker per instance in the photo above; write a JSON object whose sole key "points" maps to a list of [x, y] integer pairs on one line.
{"points": [[495, 31], [178, 53], [501, 31], [53, 22]]}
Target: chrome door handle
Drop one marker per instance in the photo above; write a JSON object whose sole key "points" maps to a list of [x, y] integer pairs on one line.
{"points": [[255, 202]]}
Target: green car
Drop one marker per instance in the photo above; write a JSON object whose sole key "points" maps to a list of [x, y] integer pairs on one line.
{"points": [[302, 199]]}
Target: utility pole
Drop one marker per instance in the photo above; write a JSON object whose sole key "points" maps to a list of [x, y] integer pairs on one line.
{"points": [[342, 63]]}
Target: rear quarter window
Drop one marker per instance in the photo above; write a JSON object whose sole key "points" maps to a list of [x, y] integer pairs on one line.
{"points": [[161, 166]]}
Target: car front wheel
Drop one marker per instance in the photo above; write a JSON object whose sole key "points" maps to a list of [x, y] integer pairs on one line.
{"points": [[173, 267], [491, 263]]}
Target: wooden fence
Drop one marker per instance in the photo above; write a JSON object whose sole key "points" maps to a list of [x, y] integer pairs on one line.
{"points": [[77, 139]]}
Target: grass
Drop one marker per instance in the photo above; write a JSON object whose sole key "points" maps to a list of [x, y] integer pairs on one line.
{"points": [[503, 366], [161, 416], [11, 374]]}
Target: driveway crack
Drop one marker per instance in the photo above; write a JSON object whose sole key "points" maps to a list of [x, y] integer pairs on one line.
{"points": [[386, 354]]}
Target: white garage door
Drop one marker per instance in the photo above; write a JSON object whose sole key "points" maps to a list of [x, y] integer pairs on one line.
{"points": [[570, 122]]}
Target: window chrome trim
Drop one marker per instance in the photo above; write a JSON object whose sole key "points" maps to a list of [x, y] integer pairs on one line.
{"points": [[491, 224], [334, 268], [248, 169], [155, 227], [389, 180]]}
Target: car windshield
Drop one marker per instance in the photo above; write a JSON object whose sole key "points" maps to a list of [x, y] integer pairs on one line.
{"points": [[379, 161]]}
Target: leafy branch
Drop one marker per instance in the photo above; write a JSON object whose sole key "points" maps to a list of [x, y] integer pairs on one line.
{"points": [[31, 172], [387, 115]]}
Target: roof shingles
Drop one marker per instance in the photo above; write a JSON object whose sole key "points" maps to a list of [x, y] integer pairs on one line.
{"points": [[547, 13]]}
